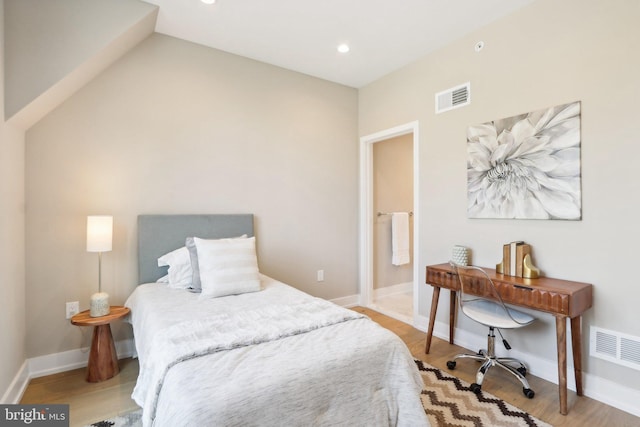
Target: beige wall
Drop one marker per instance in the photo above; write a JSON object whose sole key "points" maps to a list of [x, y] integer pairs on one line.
{"points": [[12, 247], [48, 40], [175, 127], [547, 54], [392, 192]]}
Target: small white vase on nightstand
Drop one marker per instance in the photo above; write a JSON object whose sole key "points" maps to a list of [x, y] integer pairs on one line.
{"points": [[99, 304]]}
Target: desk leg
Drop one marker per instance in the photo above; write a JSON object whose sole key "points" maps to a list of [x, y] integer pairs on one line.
{"points": [[452, 315], [561, 336], [103, 360], [576, 346], [432, 317]]}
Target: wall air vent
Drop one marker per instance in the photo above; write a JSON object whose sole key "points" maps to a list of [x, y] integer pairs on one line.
{"points": [[455, 97], [615, 347]]}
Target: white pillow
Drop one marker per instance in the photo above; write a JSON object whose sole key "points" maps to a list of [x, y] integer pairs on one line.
{"points": [[190, 244], [227, 266], [180, 273]]}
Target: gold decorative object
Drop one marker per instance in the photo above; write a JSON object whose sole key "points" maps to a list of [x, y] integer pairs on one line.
{"points": [[516, 261], [528, 269]]}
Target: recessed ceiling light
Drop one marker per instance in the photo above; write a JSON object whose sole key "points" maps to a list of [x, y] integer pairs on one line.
{"points": [[343, 48], [208, 1]]}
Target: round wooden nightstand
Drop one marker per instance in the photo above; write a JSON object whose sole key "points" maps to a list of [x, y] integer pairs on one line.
{"points": [[103, 360]]}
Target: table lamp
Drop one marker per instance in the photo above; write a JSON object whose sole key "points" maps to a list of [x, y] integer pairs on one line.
{"points": [[99, 238]]}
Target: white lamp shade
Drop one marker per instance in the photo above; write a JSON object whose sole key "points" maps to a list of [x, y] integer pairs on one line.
{"points": [[99, 233]]}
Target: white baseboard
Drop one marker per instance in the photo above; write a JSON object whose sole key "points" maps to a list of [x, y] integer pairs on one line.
{"points": [[348, 301], [354, 300], [18, 386], [72, 359], [53, 363], [613, 394], [597, 388]]}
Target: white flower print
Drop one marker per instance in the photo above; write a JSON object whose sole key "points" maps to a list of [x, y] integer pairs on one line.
{"points": [[526, 166]]}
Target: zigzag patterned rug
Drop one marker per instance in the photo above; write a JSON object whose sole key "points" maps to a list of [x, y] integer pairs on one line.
{"points": [[128, 419], [449, 402]]}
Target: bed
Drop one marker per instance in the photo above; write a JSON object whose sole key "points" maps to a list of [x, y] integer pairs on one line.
{"points": [[274, 356]]}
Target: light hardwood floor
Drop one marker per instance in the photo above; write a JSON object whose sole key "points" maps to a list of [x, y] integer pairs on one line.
{"points": [[90, 402]]}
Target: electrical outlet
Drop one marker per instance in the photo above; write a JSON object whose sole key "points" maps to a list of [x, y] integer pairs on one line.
{"points": [[73, 308], [320, 275]]}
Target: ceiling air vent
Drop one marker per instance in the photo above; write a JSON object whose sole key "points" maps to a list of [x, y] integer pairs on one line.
{"points": [[455, 97], [615, 347]]}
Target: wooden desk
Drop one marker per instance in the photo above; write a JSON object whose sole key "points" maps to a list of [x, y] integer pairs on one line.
{"points": [[562, 298], [103, 360]]}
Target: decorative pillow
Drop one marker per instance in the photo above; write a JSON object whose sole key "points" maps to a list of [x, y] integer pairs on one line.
{"points": [[190, 244], [227, 266], [180, 274]]}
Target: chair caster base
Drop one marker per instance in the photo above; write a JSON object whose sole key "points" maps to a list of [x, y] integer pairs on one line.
{"points": [[451, 364], [475, 388], [522, 371], [528, 392]]}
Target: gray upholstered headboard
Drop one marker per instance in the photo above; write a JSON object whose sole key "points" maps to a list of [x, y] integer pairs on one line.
{"points": [[160, 234]]}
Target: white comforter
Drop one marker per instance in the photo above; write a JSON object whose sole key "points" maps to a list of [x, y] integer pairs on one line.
{"points": [[272, 358]]}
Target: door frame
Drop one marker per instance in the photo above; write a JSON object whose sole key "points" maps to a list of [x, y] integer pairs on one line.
{"points": [[367, 214]]}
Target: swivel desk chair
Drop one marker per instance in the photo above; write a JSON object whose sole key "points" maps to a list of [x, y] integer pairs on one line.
{"points": [[494, 314]]}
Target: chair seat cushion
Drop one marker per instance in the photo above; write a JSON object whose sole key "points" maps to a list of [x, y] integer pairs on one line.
{"points": [[490, 313]]}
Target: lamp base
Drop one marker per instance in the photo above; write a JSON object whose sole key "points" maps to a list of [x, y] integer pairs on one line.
{"points": [[99, 304]]}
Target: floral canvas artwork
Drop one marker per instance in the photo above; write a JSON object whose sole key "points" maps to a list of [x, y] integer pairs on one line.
{"points": [[526, 166]]}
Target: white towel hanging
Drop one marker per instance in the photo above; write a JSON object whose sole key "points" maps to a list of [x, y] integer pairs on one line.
{"points": [[400, 238]]}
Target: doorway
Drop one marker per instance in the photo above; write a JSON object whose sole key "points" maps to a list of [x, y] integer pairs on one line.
{"points": [[389, 185]]}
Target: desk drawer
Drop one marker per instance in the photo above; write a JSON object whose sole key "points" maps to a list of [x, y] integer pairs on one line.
{"points": [[534, 297], [442, 278]]}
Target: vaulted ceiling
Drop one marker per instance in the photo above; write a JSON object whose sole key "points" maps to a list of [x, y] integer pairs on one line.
{"points": [[302, 35], [54, 48]]}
